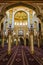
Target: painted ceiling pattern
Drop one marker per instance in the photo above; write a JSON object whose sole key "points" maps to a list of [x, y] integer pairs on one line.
{"points": [[19, 0], [21, 15], [7, 3]]}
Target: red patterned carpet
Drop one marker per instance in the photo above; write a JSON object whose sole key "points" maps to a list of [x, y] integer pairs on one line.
{"points": [[21, 56]]}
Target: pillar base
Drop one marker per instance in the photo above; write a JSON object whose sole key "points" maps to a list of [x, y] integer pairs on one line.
{"points": [[24, 42], [9, 52], [3, 43], [16, 42], [32, 52], [2, 46], [38, 44], [9, 44]]}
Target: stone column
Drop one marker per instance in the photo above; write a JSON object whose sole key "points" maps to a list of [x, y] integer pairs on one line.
{"points": [[31, 16], [16, 41], [29, 39], [31, 34], [0, 27], [42, 29], [3, 41], [38, 43], [39, 34], [0, 22], [35, 28], [39, 39], [35, 32], [32, 43], [10, 16], [9, 44], [24, 41]]}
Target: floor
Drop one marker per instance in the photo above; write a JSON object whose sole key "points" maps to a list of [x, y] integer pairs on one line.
{"points": [[21, 56]]}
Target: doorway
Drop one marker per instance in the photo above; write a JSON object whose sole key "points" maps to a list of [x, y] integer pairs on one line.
{"points": [[27, 41], [21, 41]]}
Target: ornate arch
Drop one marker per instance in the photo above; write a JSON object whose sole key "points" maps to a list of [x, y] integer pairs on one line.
{"points": [[28, 5], [31, 6]]}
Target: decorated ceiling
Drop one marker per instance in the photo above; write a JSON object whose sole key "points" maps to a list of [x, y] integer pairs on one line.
{"points": [[20, 15], [19, 0], [37, 5]]}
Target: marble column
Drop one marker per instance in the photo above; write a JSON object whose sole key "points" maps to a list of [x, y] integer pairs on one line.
{"points": [[39, 35], [9, 44], [35, 28], [10, 15], [32, 43], [31, 16], [38, 43], [24, 41], [0, 27], [42, 28], [3, 40], [16, 41]]}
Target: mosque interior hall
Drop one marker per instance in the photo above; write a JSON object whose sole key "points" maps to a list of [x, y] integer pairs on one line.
{"points": [[21, 33]]}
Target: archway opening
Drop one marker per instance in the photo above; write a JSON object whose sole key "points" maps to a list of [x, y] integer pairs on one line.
{"points": [[20, 19], [21, 41], [27, 42], [14, 42]]}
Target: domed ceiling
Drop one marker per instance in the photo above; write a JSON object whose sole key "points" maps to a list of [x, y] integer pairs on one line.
{"points": [[34, 4], [20, 15]]}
